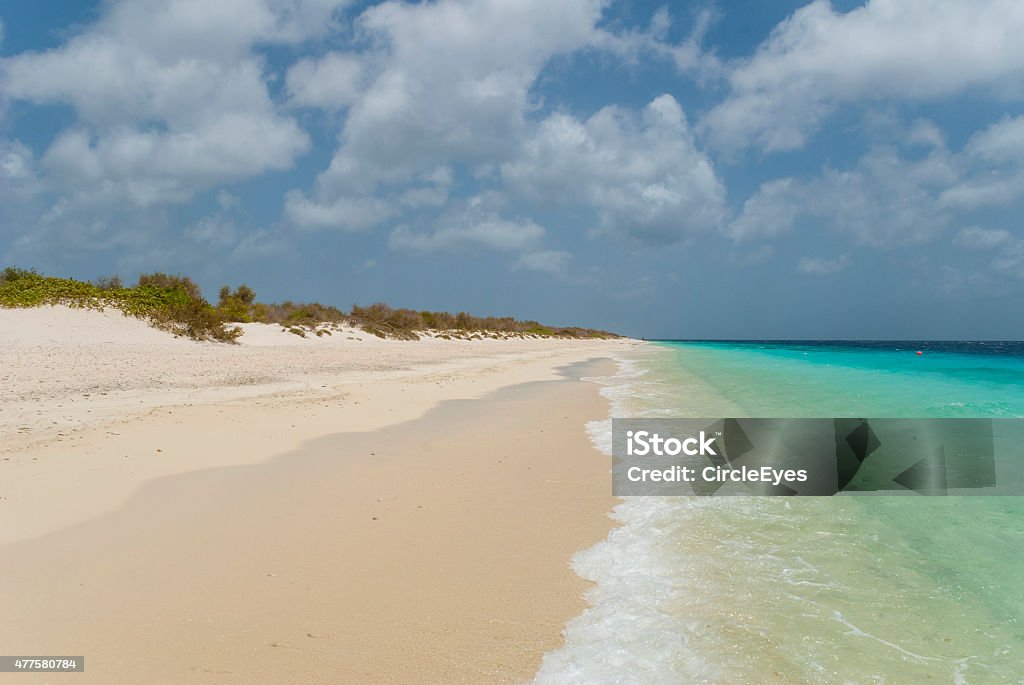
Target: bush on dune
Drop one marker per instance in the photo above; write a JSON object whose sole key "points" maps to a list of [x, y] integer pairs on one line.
{"points": [[300, 313], [172, 303], [238, 306], [175, 303], [386, 321]]}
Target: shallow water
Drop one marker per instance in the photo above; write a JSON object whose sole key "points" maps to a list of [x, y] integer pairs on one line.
{"points": [[834, 590]]}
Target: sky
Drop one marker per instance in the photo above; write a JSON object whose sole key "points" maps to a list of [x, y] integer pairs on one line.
{"points": [[684, 170]]}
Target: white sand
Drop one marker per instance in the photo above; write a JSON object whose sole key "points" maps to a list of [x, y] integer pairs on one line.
{"points": [[288, 509], [73, 379]]}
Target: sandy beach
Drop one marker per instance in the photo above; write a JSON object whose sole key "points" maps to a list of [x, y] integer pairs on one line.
{"points": [[329, 509]]}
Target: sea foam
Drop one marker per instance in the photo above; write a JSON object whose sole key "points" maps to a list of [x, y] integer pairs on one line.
{"points": [[628, 634]]}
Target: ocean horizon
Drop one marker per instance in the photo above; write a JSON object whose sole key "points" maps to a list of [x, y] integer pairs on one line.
{"points": [[805, 590]]}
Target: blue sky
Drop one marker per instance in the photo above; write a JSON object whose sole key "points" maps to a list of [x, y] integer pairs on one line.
{"points": [[729, 169]]}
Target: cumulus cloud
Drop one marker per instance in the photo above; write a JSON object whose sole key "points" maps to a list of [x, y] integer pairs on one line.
{"points": [[455, 80], [904, 50], [993, 164], [217, 230], [883, 201], [689, 56], [346, 213], [451, 85], [174, 164], [818, 266], [18, 177], [769, 212], [487, 231], [170, 95], [642, 172], [331, 82], [924, 132], [887, 200]]}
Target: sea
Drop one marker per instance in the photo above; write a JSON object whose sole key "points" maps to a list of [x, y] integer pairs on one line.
{"points": [[879, 589]]}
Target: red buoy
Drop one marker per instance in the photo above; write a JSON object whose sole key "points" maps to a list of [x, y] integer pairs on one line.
{"points": [[919, 353]]}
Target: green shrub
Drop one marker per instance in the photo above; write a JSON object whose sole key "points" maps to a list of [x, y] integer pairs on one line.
{"points": [[240, 305], [175, 303], [172, 303], [292, 312], [167, 282], [13, 273]]}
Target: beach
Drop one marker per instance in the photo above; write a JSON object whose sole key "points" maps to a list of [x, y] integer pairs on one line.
{"points": [[324, 509]]}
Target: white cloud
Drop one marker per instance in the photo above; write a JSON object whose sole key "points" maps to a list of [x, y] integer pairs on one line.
{"points": [[769, 212], [887, 200], [925, 132], [217, 230], [882, 201], [688, 56], [643, 173], [18, 178], [993, 168], [1000, 142], [451, 85], [546, 261], [170, 96], [819, 59], [222, 149], [818, 266], [977, 238], [454, 82], [431, 189], [331, 82], [346, 213], [484, 230]]}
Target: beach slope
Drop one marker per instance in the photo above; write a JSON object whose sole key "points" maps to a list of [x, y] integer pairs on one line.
{"points": [[341, 510]]}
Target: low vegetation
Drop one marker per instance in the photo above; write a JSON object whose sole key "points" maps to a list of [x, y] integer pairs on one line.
{"points": [[385, 321], [176, 304], [172, 303]]}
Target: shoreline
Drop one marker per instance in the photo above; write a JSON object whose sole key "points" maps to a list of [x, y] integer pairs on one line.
{"points": [[338, 535]]}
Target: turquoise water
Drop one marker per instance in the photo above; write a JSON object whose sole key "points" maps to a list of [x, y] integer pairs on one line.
{"points": [[814, 590], [870, 379]]}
